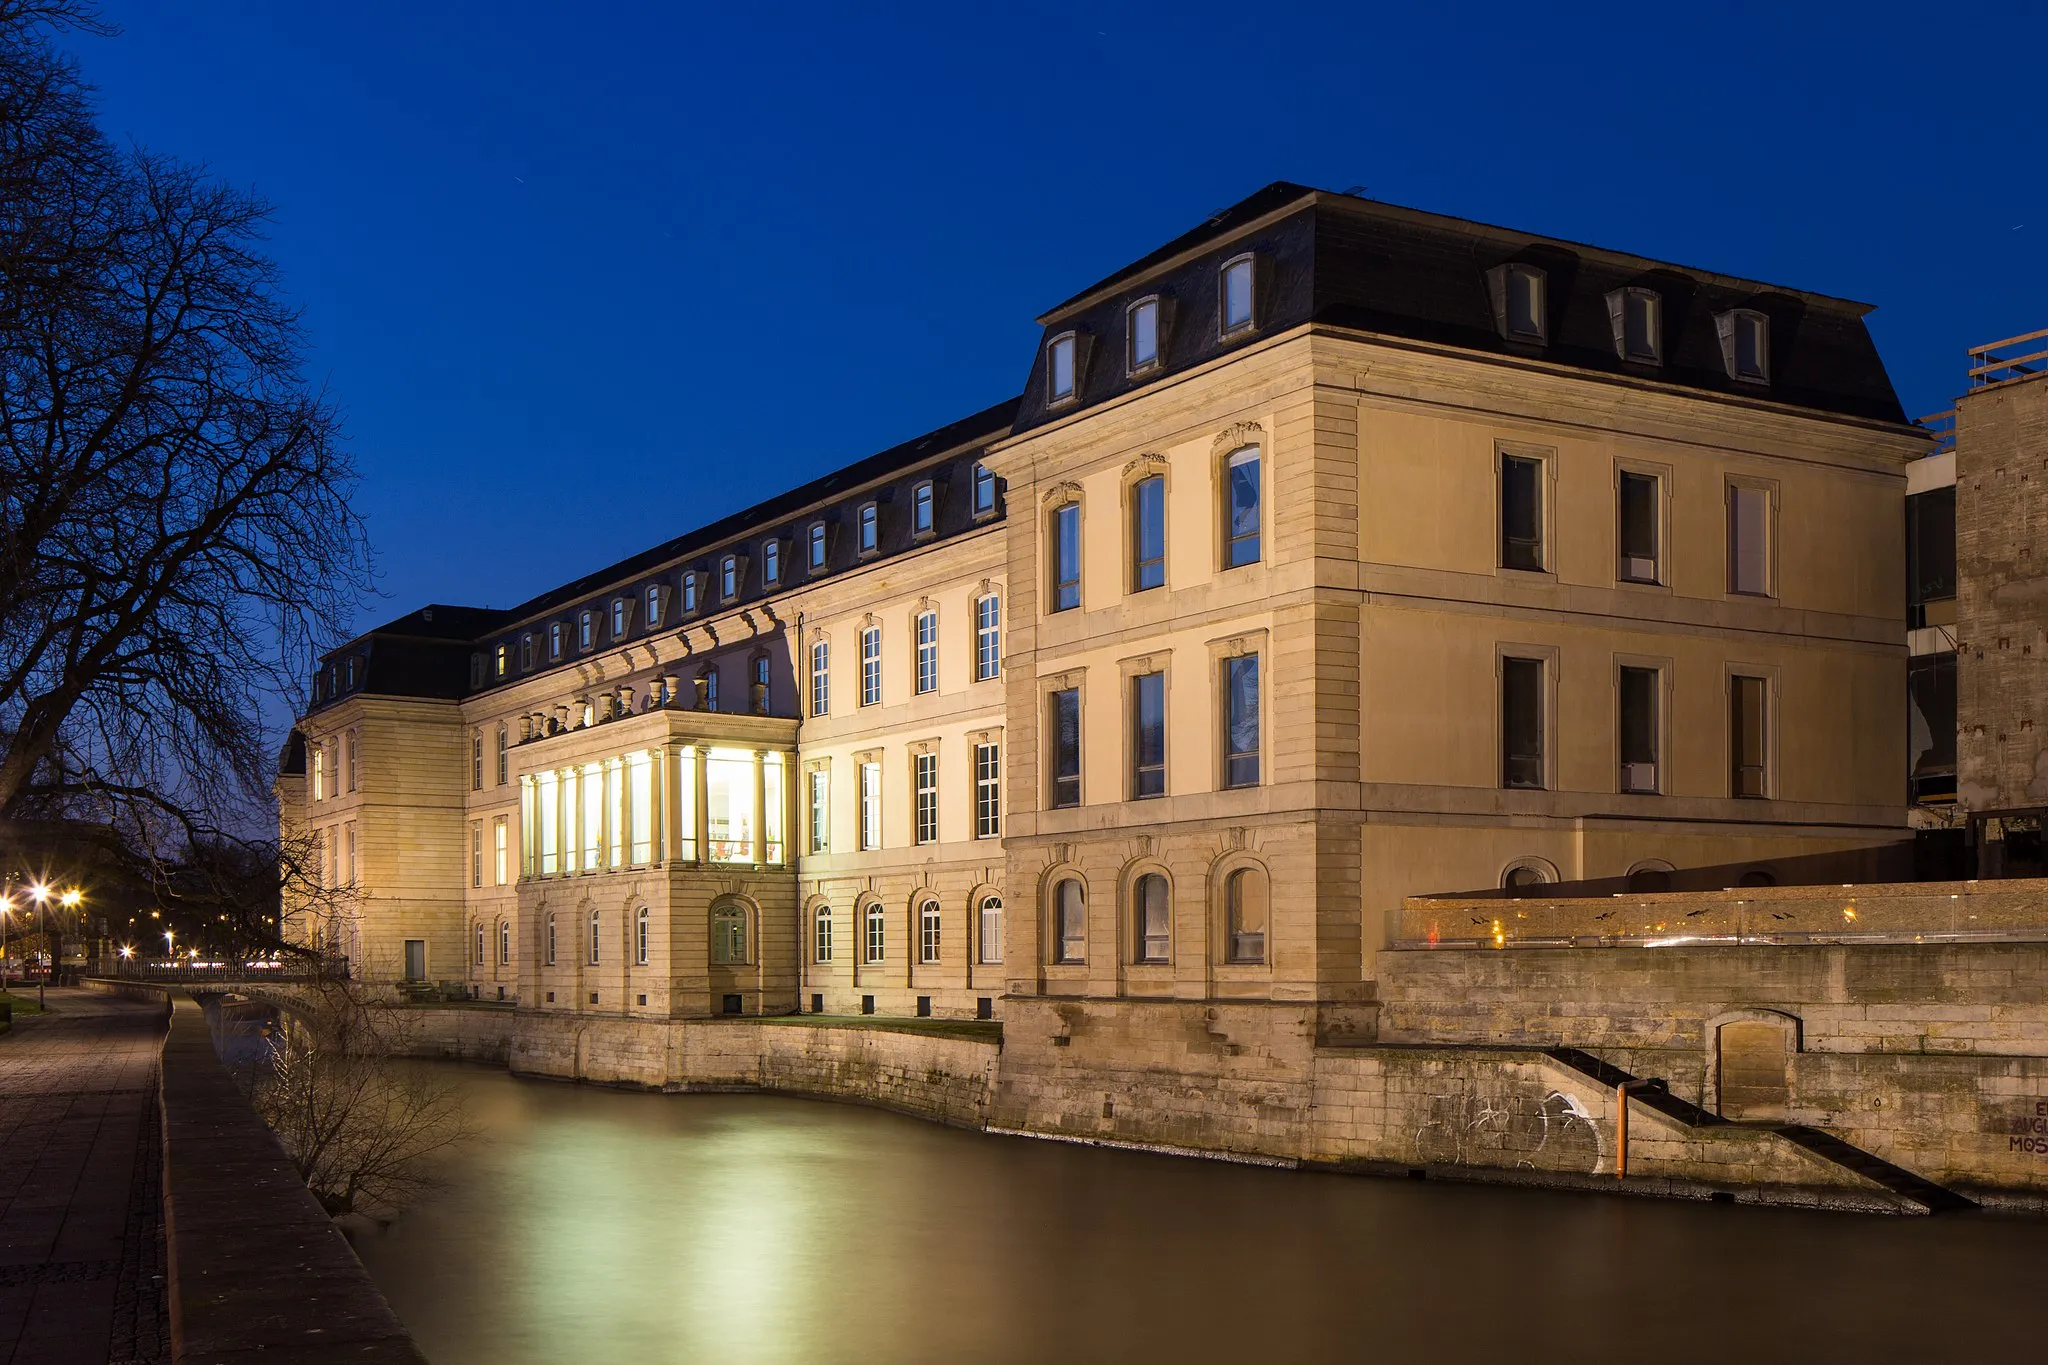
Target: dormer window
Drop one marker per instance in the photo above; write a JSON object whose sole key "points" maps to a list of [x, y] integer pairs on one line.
{"points": [[1061, 364], [653, 605], [729, 577], [921, 509], [689, 592], [1141, 330], [586, 629], [817, 547], [476, 670], [620, 614], [526, 652], [501, 660], [870, 528], [555, 640], [348, 669], [1235, 287], [1637, 319], [1745, 344], [1522, 304], [984, 490], [771, 561]]}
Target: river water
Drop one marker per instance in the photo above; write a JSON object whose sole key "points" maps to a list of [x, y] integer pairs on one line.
{"points": [[595, 1226]]}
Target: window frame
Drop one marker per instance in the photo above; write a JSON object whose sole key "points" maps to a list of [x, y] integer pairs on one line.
{"points": [[729, 949], [1133, 365], [986, 759], [1056, 519], [1056, 781], [1254, 453], [924, 634], [1627, 783], [1514, 274], [1544, 659], [869, 776], [586, 630], [931, 923], [1246, 262], [821, 932], [818, 810], [983, 939], [1234, 938], [1659, 476], [821, 677], [652, 604], [871, 665], [1730, 325], [867, 538], [1146, 491], [1620, 302], [874, 934], [640, 937], [1068, 949], [924, 510], [556, 633], [621, 617], [924, 798], [982, 477], [1544, 459], [817, 548], [1225, 707], [988, 637], [771, 562], [1143, 774], [1069, 343], [728, 578], [1143, 941], [1766, 681], [1733, 486]]}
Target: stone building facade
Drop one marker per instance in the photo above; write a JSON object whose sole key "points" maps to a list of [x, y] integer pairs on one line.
{"points": [[1333, 553]]}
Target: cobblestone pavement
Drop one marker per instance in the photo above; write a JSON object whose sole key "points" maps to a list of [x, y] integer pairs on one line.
{"points": [[81, 1198]]}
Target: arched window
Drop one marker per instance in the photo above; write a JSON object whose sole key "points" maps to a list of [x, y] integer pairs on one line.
{"points": [[991, 929], [1070, 921], [928, 931], [759, 699], [1245, 905], [1522, 878], [1649, 878], [728, 934], [1758, 876], [1152, 918], [479, 943], [877, 931], [504, 943], [593, 938], [823, 931], [551, 939], [640, 937]]}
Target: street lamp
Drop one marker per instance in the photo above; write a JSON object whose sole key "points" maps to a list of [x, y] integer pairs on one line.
{"points": [[40, 893]]}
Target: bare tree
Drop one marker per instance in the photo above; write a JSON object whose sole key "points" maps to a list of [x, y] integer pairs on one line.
{"points": [[175, 529], [361, 1125]]}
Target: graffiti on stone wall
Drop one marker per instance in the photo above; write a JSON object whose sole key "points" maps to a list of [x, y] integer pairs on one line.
{"points": [[1548, 1132], [2029, 1131]]}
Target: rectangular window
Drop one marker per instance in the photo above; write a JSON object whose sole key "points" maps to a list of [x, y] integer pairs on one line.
{"points": [[555, 640], [1749, 351], [984, 490], [1521, 723], [653, 605], [320, 772], [1148, 735], [1525, 310], [1931, 727], [991, 929], [1142, 326], [352, 753], [1641, 331], [1638, 515], [1749, 540], [549, 809], [1148, 534], [618, 618], [870, 529], [773, 810], [871, 666], [1059, 370], [928, 652], [1241, 721], [502, 659], [640, 939], [729, 577], [821, 678], [761, 702], [817, 547], [988, 638], [921, 509], [925, 775], [821, 810], [729, 805], [586, 630], [501, 849], [501, 755], [771, 561], [1237, 294], [640, 799], [1639, 729], [476, 853], [1748, 715], [689, 592], [1931, 558], [1241, 523], [476, 760], [1065, 728], [870, 805], [1521, 513], [988, 793], [349, 833], [1066, 557], [525, 653]]}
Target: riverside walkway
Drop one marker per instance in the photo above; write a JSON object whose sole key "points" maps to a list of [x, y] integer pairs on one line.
{"points": [[82, 1273]]}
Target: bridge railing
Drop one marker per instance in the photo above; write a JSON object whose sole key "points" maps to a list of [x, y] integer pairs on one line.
{"points": [[195, 973]]}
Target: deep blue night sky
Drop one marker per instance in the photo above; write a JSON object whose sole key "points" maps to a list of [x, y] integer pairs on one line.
{"points": [[584, 277]]}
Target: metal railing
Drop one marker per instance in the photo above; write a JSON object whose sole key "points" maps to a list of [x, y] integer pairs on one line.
{"points": [[1942, 427]]}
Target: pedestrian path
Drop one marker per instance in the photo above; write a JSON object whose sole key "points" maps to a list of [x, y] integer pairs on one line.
{"points": [[81, 1207]]}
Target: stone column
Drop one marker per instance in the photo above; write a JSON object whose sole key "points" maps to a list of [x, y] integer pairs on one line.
{"points": [[760, 808]]}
